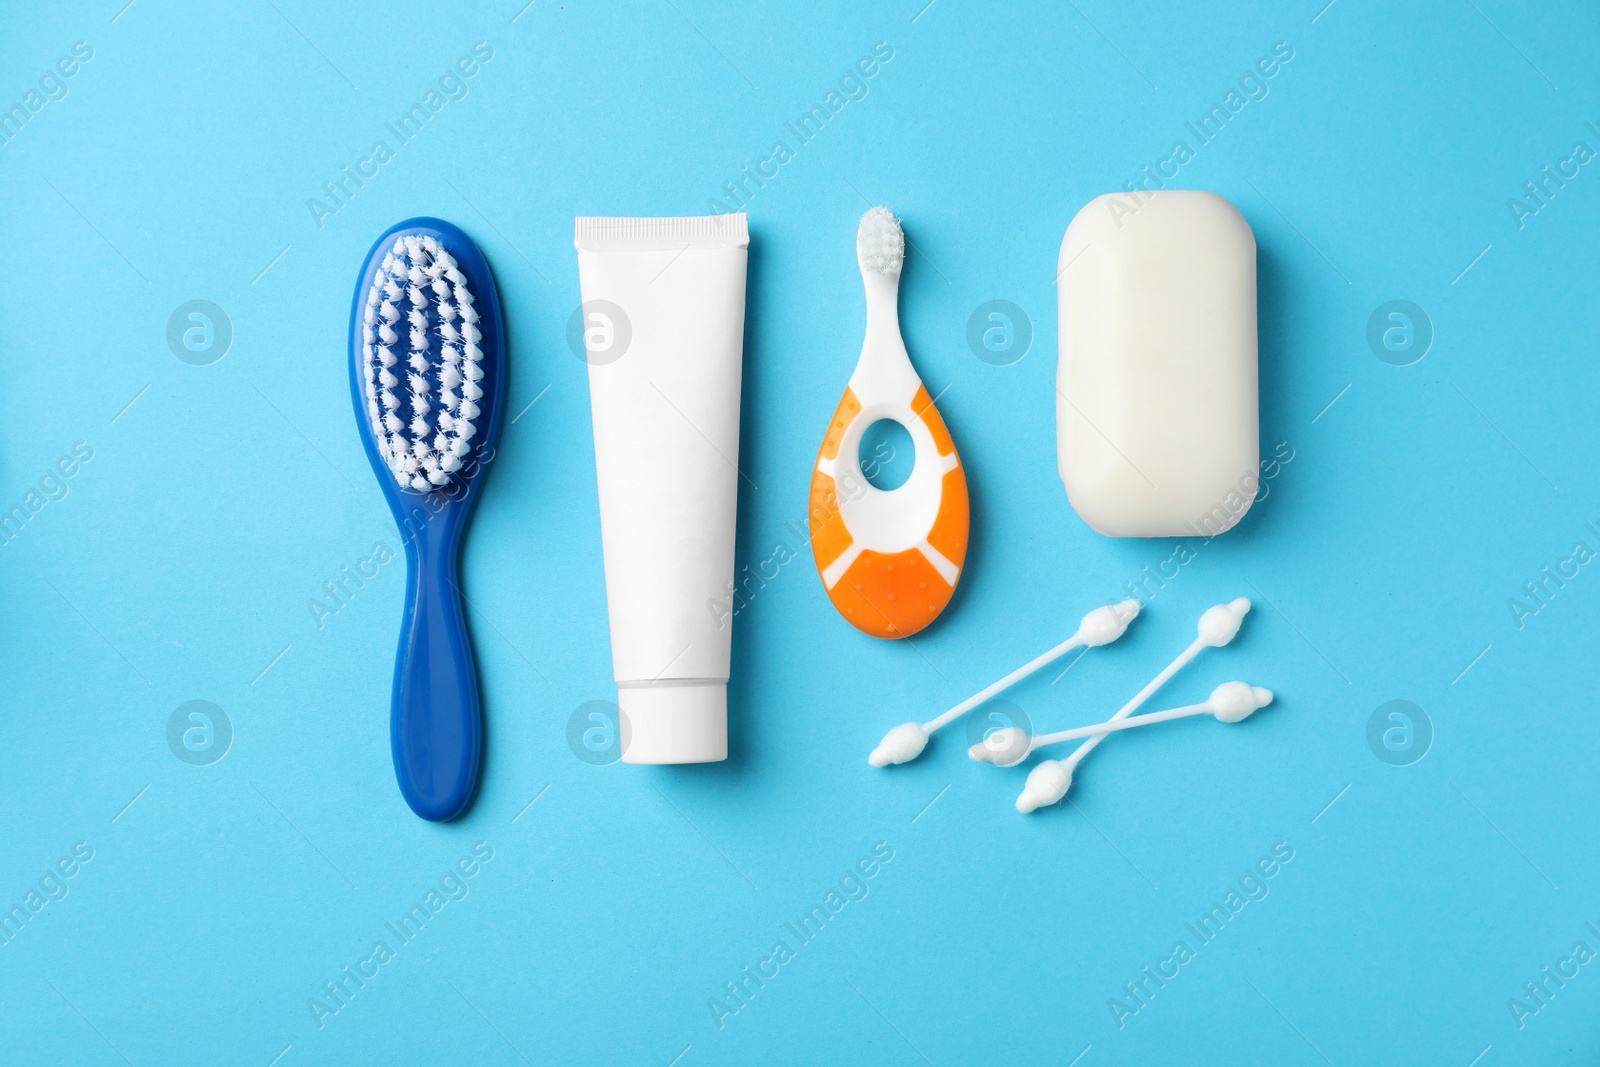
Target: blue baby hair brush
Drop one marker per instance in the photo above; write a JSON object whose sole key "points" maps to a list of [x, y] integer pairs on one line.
{"points": [[427, 375]]}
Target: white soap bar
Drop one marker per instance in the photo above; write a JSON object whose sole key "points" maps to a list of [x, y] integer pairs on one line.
{"points": [[1157, 427]]}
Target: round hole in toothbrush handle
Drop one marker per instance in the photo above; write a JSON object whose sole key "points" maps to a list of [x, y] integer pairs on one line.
{"points": [[890, 560]]}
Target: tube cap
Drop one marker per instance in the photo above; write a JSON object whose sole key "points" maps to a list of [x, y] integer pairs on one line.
{"points": [[674, 723]]}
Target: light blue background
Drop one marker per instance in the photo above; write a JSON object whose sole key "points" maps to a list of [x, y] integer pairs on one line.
{"points": [[182, 560]]}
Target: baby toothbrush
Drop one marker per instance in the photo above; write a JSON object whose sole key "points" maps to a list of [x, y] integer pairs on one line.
{"points": [[427, 369], [1100, 627], [889, 559]]}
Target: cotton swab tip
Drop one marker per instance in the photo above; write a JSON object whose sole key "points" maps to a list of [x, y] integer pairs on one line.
{"points": [[1004, 748], [1105, 624], [1236, 701], [900, 745], [1220, 624], [1047, 784]]}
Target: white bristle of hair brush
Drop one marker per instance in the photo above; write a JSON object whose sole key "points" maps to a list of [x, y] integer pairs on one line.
{"points": [[880, 242], [423, 413]]}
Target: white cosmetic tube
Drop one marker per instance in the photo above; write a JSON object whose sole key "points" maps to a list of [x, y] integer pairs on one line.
{"points": [[663, 329]]}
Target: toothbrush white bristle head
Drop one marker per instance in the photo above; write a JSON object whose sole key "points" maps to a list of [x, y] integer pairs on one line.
{"points": [[880, 242], [1047, 784], [423, 364], [1105, 624], [1220, 624], [1004, 748], [1236, 701], [900, 745]]}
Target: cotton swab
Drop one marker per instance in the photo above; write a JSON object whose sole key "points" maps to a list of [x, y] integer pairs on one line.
{"points": [[1049, 781], [1100, 627], [1218, 626], [1228, 702]]}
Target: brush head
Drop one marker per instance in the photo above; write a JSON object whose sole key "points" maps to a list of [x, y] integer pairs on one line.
{"points": [[423, 365], [880, 242]]}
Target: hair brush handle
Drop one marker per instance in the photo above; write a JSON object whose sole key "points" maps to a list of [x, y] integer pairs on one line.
{"points": [[436, 729]]}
